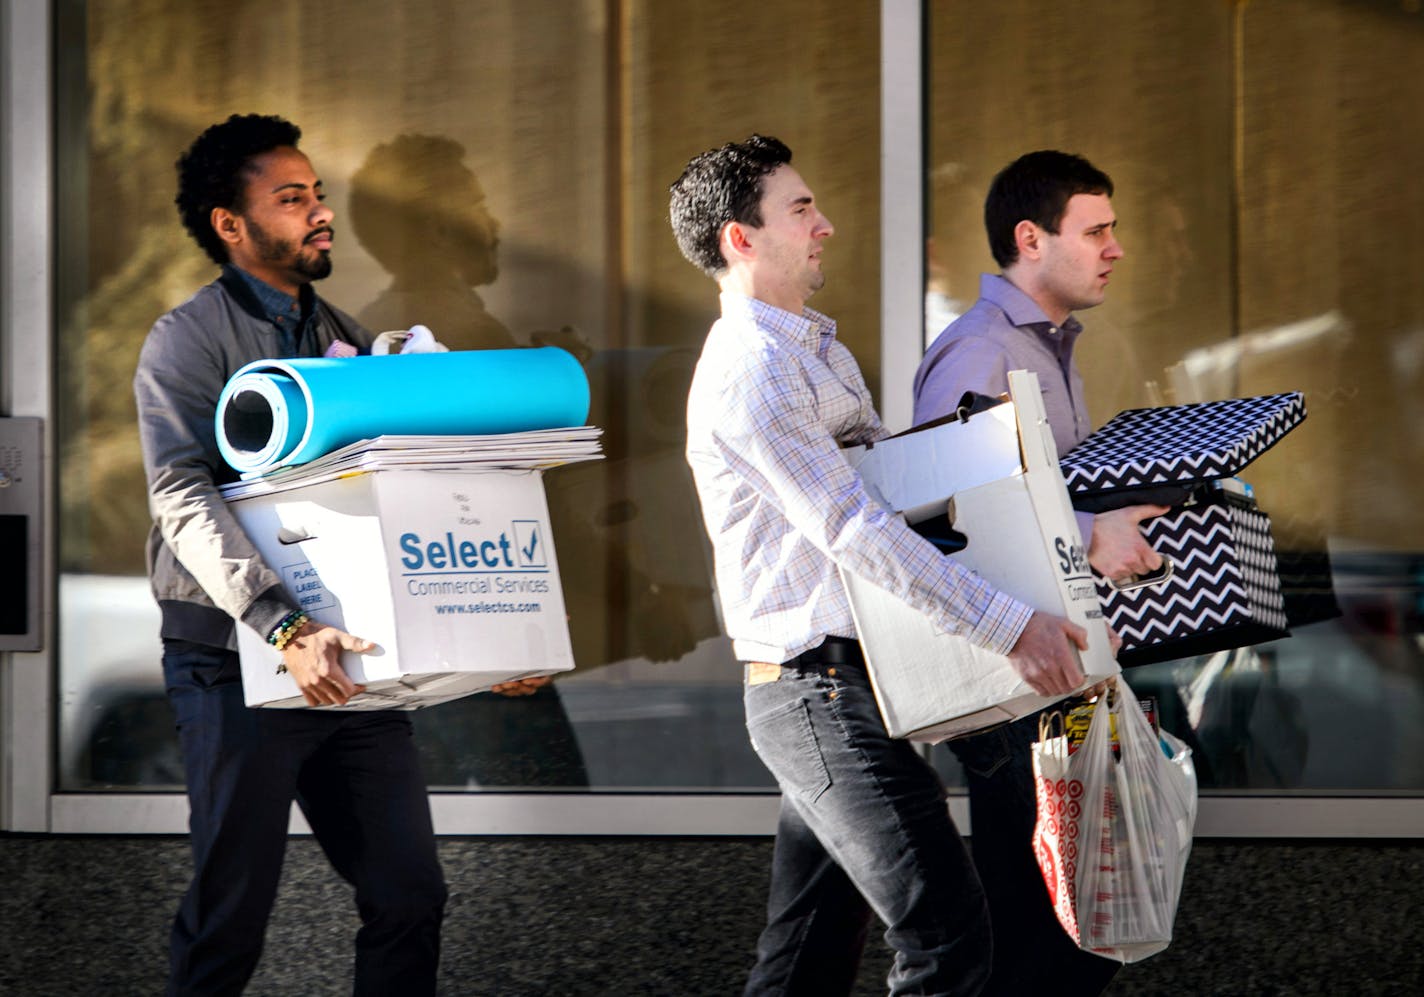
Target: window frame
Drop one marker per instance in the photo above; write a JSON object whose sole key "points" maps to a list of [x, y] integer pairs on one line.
{"points": [[28, 714]]}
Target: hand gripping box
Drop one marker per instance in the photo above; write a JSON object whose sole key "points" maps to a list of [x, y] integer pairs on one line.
{"points": [[995, 475], [1222, 587], [451, 573]]}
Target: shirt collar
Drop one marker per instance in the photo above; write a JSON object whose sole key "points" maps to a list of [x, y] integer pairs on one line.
{"points": [[279, 307], [1020, 309], [810, 329]]}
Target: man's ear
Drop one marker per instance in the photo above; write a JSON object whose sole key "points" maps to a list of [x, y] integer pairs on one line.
{"points": [[227, 225], [1029, 239], [734, 242]]}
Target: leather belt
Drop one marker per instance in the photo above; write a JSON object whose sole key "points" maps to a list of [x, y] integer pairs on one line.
{"points": [[827, 655]]}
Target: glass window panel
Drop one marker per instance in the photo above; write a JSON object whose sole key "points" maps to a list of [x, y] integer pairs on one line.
{"points": [[499, 173], [1262, 160]]}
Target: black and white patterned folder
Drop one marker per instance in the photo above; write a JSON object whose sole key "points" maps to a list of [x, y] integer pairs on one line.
{"points": [[1224, 591], [1180, 444]]}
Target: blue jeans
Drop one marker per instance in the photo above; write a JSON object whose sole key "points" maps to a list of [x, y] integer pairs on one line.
{"points": [[864, 827], [1032, 952], [357, 779]]}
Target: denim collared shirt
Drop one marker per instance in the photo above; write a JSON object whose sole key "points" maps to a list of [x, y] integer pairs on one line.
{"points": [[292, 316], [774, 399], [1004, 331]]}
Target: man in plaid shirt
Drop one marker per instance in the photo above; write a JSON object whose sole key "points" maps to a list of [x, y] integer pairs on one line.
{"points": [[864, 825]]}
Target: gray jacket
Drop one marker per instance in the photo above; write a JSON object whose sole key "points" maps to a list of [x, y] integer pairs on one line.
{"points": [[204, 571]]}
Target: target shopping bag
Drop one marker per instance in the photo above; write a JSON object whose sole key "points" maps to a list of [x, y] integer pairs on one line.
{"points": [[1114, 828]]}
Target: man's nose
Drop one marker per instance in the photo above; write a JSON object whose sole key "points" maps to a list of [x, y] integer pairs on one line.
{"points": [[824, 228], [1113, 250], [322, 214]]}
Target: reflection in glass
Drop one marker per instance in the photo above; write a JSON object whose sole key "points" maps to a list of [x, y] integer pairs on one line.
{"points": [[421, 213], [504, 175], [1254, 198]]}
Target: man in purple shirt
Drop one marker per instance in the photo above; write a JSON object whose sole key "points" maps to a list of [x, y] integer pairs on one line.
{"points": [[1052, 231]]}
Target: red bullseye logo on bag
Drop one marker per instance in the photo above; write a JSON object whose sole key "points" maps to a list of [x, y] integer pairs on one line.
{"points": [[1055, 839], [1049, 868], [1113, 827]]}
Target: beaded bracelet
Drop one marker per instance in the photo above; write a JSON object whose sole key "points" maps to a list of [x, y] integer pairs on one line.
{"points": [[284, 631]]}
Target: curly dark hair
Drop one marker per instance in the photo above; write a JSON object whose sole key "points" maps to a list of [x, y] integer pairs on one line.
{"points": [[720, 186], [210, 173], [1036, 187]]}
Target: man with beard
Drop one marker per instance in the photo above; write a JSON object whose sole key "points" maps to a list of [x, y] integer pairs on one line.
{"points": [[255, 206]]}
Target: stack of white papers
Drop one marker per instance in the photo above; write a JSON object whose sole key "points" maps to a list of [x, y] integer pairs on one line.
{"points": [[534, 450]]}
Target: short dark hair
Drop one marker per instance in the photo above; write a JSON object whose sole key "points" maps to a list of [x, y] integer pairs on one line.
{"points": [[1036, 187], [720, 186], [211, 172]]}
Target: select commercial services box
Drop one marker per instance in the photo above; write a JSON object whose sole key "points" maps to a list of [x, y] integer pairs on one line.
{"points": [[994, 476], [451, 573]]}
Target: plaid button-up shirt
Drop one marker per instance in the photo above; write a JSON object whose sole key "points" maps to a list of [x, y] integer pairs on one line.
{"points": [[774, 399]]}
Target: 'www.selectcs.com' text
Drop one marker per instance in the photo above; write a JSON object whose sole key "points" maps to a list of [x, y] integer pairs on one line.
{"points": [[488, 607]]}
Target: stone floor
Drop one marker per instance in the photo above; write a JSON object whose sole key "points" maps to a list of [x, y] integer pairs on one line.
{"points": [[678, 917]]}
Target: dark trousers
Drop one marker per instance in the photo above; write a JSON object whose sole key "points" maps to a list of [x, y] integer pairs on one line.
{"points": [[864, 827], [355, 776], [1032, 952], [493, 740]]}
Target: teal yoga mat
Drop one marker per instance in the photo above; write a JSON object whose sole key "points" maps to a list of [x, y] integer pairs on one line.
{"points": [[276, 413]]}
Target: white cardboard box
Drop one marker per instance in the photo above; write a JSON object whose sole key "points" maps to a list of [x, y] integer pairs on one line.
{"points": [[998, 476], [451, 573]]}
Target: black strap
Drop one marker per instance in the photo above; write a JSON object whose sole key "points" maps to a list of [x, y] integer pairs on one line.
{"points": [[833, 651]]}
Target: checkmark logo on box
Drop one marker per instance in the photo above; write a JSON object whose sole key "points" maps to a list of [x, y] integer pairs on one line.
{"points": [[529, 540]]}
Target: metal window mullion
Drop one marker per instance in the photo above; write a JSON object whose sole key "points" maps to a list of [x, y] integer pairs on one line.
{"points": [[902, 215], [26, 346]]}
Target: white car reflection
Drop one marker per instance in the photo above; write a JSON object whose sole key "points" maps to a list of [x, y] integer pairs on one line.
{"points": [[114, 723], [630, 724]]}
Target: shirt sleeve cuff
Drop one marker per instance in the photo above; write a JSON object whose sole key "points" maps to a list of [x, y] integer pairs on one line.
{"points": [[1085, 527], [1002, 624], [267, 610]]}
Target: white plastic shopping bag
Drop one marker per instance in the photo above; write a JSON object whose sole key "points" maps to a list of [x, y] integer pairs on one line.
{"points": [[1114, 828]]}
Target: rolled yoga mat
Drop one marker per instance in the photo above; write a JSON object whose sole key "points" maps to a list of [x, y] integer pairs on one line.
{"points": [[275, 413]]}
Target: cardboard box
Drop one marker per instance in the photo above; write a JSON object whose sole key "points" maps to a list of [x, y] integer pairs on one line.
{"points": [[997, 477], [451, 573]]}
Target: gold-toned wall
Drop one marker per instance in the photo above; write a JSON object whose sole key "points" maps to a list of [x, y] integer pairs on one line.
{"points": [[701, 74], [1333, 149], [518, 84], [499, 172], [1263, 154], [1100, 81], [1266, 154]]}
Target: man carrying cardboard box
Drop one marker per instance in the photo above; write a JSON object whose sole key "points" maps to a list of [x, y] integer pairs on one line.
{"points": [[255, 205], [863, 823], [1052, 230]]}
